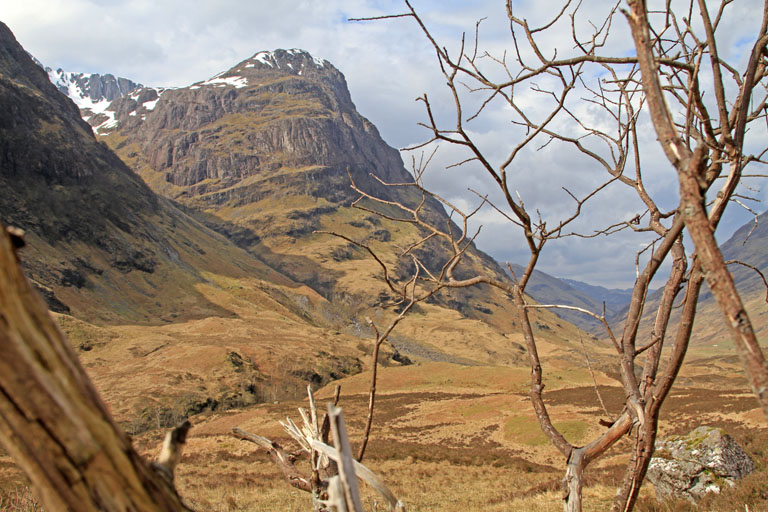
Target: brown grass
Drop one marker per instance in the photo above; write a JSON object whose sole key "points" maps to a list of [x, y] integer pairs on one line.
{"points": [[19, 499], [462, 443]]}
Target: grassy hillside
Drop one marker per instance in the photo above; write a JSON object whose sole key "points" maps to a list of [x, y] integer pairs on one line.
{"points": [[267, 163], [450, 437]]}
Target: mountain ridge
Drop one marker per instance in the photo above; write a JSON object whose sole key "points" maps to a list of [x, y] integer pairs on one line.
{"points": [[171, 148], [263, 153], [170, 317], [114, 253]]}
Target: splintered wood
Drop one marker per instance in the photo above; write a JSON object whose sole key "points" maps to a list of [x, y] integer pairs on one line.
{"points": [[335, 471]]}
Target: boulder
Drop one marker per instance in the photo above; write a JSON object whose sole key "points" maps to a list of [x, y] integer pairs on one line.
{"points": [[705, 460]]}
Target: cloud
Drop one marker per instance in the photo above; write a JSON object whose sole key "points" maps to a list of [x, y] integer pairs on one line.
{"points": [[388, 64]]}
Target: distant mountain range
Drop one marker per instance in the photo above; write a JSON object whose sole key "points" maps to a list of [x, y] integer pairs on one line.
{"points": [[197, 165], [191, 214], [174, 234]]}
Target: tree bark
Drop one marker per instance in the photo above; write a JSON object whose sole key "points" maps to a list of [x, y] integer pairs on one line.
{"points": [[691, 172], [723, 288], [52, 421]]}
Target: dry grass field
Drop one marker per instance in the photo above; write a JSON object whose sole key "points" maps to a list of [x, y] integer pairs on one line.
{"points": [[457, 437], [453, 431], [451, 437]]}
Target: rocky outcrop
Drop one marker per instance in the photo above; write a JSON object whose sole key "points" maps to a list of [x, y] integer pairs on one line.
{"points": [[704, 461], [277, 111], [92, 86], [101, 244]]}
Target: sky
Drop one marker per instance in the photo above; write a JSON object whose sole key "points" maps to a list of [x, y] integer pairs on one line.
{"points": [[387, 65]]}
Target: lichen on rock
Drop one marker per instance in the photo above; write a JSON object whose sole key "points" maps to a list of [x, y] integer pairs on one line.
{"points": [[704, 461]]}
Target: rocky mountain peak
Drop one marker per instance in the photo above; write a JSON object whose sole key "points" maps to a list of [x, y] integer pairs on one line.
{"points": [[295, 68], [295, 60], [282, 109], [91, 92], [87, 88]]}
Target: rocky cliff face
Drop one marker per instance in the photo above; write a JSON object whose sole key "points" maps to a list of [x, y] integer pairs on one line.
{"points": [[91, 92], [90, 86], [281, 113], [266, 150], [102, 245]]}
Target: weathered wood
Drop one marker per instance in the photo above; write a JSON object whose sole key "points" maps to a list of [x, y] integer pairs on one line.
{"points": [[366, 474], [170, 454], [52, 421], [346, 461], [295, 477]]}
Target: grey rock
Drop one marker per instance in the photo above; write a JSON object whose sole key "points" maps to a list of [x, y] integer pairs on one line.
{"points": [[706, 460], [95, 86]]}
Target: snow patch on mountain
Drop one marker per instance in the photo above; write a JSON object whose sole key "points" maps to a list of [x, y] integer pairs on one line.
{"points": [[150, 105], [273, 59], [90, 86], [93, 94], [236, 81], [263, 57], [110, 124], [144, 101]]}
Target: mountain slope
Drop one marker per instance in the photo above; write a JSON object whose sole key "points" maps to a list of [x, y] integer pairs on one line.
{"points": [[170, 317], [93, 225], [547, 289], [614, 298], [746, 245], [260, 154], [264, 152]]}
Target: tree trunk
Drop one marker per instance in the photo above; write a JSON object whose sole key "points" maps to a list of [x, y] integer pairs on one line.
{"points": [[52, 420], [723, 288], [573, 482]]}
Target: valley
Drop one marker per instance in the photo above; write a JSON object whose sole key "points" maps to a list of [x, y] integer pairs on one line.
{"points": [[180, 237]]}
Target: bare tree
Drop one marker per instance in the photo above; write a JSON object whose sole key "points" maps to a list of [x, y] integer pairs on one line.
{"points": [[707, 147], [672, 52]]}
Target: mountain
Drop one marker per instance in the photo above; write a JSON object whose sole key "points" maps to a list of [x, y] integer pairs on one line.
{"points": [[220, 146], [263, 153], [91, 92], [193, 278], [615, 299], [73, 195], [747, 245], [169, 317], [547, 289], [85, 88]]}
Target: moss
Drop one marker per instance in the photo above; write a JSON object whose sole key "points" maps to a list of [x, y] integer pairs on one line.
{"points": [[701, 434], [573, 430]]}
